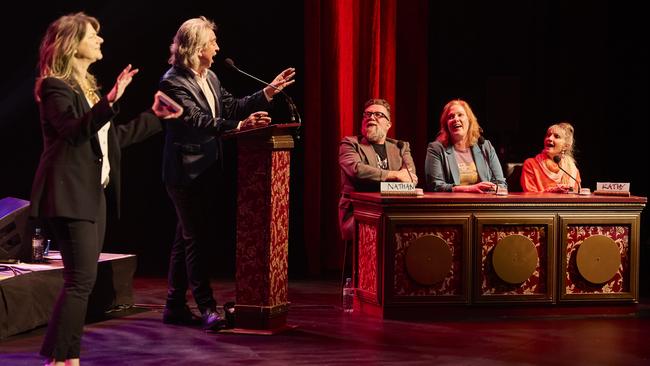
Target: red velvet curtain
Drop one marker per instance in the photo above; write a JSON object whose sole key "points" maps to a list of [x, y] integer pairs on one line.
{"points": [[351, 55]]}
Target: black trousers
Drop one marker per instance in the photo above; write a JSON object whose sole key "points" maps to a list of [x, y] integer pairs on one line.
{"points": [[80, 243], [189, 260]]}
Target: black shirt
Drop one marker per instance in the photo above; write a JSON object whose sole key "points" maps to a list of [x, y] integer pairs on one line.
{"points": [[382, 156]]}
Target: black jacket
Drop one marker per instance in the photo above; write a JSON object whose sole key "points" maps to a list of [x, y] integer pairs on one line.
{"points": [[192, 142], [67, 181]]}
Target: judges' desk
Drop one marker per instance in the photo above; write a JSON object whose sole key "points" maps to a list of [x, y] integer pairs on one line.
{"points": [[419, 253]]}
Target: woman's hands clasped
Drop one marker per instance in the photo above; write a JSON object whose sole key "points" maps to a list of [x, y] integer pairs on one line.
{"points": [[480, 187], [559, 188]]}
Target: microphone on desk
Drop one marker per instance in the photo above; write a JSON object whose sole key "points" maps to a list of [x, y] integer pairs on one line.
{"points": [[556, 160], [295, 116], [400, 145], [493, 179]]}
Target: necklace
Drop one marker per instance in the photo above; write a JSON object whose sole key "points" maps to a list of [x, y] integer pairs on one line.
{"points": [[91, 96], [89, 92]]}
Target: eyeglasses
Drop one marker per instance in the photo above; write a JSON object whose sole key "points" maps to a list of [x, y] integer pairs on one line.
{"points": [[378, 115]]}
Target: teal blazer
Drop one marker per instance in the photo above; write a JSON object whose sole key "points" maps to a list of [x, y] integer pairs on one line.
{"points": [[441, 167]]}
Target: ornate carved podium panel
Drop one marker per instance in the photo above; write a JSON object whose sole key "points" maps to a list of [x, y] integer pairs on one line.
{"points": [[262, 228]]}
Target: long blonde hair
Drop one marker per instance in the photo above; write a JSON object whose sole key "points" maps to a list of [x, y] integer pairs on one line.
{"points": [[58, 48], [473, 132], [192, 36]]}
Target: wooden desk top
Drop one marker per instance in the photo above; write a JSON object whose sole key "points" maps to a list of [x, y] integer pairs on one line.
{"points": [[514, 197]]}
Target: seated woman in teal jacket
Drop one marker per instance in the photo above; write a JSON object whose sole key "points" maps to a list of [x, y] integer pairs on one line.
{"points": [[458, 160]]}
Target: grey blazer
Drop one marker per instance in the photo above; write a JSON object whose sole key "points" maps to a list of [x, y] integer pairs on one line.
{"points": [[359, 172]]}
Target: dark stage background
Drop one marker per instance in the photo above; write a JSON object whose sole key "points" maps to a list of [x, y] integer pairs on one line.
{"points": [[522, 65], [525, 65], [262, 39]]}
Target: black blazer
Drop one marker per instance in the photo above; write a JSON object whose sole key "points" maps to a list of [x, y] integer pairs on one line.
{"points": [[67, 181], [192, 142]]}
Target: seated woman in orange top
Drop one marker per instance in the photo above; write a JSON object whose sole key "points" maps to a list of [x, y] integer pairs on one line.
{"points": [[542, 173]]}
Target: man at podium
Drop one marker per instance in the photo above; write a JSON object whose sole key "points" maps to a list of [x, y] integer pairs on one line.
{"points": [[371, 158], [192, 148]]}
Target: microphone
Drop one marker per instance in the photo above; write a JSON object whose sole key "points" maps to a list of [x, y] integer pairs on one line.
{"points": [[295, 116], [556, 160], [400, 145], [481, 141]]}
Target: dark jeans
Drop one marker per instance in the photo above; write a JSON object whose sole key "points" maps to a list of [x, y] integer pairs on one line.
{"points": [[80, 243], [189, 259]]}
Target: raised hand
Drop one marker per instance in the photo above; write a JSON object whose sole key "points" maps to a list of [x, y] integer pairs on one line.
{"points": [[123, 80], [284, 79]]}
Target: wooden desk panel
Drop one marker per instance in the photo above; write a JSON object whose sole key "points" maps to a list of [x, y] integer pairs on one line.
{"points": [[491, 228], [473, 225], [623, 230]]}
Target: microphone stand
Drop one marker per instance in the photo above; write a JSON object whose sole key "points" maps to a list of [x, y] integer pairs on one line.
{"points": [[295, 116], [400, 145], [557, 159]]}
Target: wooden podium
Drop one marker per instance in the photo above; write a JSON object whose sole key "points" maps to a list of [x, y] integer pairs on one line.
{"points": [[262, 228]]}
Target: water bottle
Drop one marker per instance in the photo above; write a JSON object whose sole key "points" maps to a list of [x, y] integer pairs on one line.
{"points": [[46, 251], [37, 246], [348, 296]]}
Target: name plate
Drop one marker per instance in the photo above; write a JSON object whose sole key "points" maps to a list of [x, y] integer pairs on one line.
{"points": [[398, 189], [613, 189]]}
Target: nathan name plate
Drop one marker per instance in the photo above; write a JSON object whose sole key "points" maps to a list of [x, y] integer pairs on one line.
{"points": [[613, 189], [399, 189]]}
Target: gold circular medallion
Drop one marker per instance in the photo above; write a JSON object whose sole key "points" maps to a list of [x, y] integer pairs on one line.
{"points": [[514, 258], [598, 259], [428, 260]]}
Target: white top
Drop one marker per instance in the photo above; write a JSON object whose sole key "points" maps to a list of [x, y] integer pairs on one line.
{"points": [[102, 136], [202, 80]]}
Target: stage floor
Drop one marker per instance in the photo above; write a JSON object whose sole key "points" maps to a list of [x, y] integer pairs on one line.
{"points": [[326, 336]]}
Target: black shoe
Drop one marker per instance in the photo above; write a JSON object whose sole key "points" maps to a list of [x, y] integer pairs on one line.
{"points": [[180, 316], [229, 311], [212, 320]]}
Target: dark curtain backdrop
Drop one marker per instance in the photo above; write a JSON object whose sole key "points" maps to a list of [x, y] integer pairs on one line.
{"points": [[352, 55]]}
